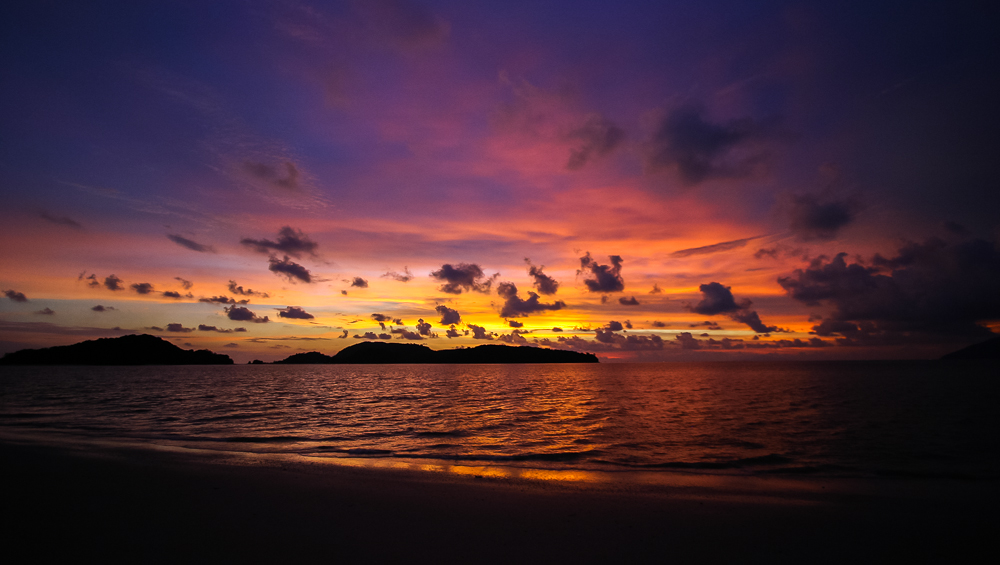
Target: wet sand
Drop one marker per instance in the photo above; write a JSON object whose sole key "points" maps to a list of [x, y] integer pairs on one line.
{"points": [[124, 503]]}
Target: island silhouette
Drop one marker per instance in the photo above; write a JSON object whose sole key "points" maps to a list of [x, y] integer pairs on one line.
{"points": [[133, 349], [989, 349], [380, 353]]}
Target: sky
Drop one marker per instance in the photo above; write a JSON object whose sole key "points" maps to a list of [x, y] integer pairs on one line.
{"points": [[647, 181]]}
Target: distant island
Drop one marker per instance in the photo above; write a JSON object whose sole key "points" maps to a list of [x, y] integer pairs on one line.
{"points": [[380, 353], [989, 349], [125, 350]]}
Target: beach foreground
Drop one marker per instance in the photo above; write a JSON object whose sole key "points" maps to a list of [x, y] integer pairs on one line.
{"points": [[135, 503]]}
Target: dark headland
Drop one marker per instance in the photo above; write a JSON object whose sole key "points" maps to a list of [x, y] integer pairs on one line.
{"points": [[125, 350], [368, 353], [989, 349]]}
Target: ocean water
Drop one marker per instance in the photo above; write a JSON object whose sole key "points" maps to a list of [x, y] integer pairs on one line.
{"points": [[864, 419]]}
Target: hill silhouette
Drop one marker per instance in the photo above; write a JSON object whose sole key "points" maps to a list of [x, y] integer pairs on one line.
{"points": [[125, 350], [374, 352], [989, 349]]}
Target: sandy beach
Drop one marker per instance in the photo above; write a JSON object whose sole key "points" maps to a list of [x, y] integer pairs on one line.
{"points": [[129, 503]]}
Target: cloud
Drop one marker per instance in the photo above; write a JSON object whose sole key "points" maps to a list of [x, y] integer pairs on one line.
{"points": [[294, 312], [242, 314], [405, 276], [184, 283], [514, 306], [113, 283], [698, 150], [452, 332], [656, 289], [386, 318], [290, 242], [15, 295], [813, 219], [714, 248], [628, 301], [142, 288], [479, 332], [464, 276], [231, 345], [614, 326], [933, 288], [284, 176], [223, 300], [424, 328], [178, 328], [513, 338], [171, 294], [607, 278], [515, 324], [100, 308], [359, 282], [596, 138], [91, 280], [543, 283], [687, 341], [448, 316], [372, 335], [557, 329], [60, 220], [192, 245], [658, 324], [292, 271], [45, 312], [240, 291], [718, 299], [343, 335], [407, 334], [204, 328]]}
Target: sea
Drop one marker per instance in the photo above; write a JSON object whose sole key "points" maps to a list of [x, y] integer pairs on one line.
{"points": [[920, 419]]}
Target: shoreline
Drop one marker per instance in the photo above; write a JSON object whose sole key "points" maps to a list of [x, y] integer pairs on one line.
{"points": [[164, 504]]}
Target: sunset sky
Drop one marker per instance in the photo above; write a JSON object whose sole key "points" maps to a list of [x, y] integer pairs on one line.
{"points": [[643, 180]]}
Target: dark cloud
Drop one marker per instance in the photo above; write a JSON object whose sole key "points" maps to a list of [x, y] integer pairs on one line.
{"points": [[385, 318], [750, 318], [424, 328], [184, 283], [294, 312], [192, 245], [515, 324], [178, 328], [607, 278], [171, 294], [612, 341], [15, 295], [687, 341], [404, 333], [405, 276], [628, 301], [513, 338], [91, 280], [231, 345], [514, 306], [464, 276], [448, 316], [223, 300], [100, 308], [658, 324], [718, 299], [113, 283], [285, 175], [614, 326], [45, 312], [290, 270], [359, 282], [933, 288], [343, 335], [596, 138], [656, 289], [479, 332], [242, 314], [60, 220], [290, 242], [813, 219], [698, 150], [240, 291], [372, 335], [543, 283], [142, 288], [557, 329], [714, 248], [628, 324], [452, 332], [204, 328]]}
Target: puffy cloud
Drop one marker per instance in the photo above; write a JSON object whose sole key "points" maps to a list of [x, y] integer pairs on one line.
{"points": [[658, 324], [514, 306], [290, 242], [718, 299], [178, 328], [464, 276], [294, 312], [15, 295], [513, 338], [60, 220], [698, 150], [242, 314], [407, 334], [557, 329], [240, 291], [171, 294], [452, 332], [100, 308], [204, 328], [343, 335], [142, 288], [515, 324], [628, 301], [687, 341], [45, 312], [113, 283], [185, 283], [930, 288], [607, 278], [290, 270], [543, 283], [479, 332], [448, 316], [192, 245], [813, 219], [385, 318], [424, 328], [597, 137], [91, 280], [405, 276], [359, 282], [614, 326], [611, 341], [656, 289]]}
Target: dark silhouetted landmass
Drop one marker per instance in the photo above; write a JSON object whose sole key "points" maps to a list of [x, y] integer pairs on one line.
{"points": [[985, 350], [373, 352], [126, 350]]}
